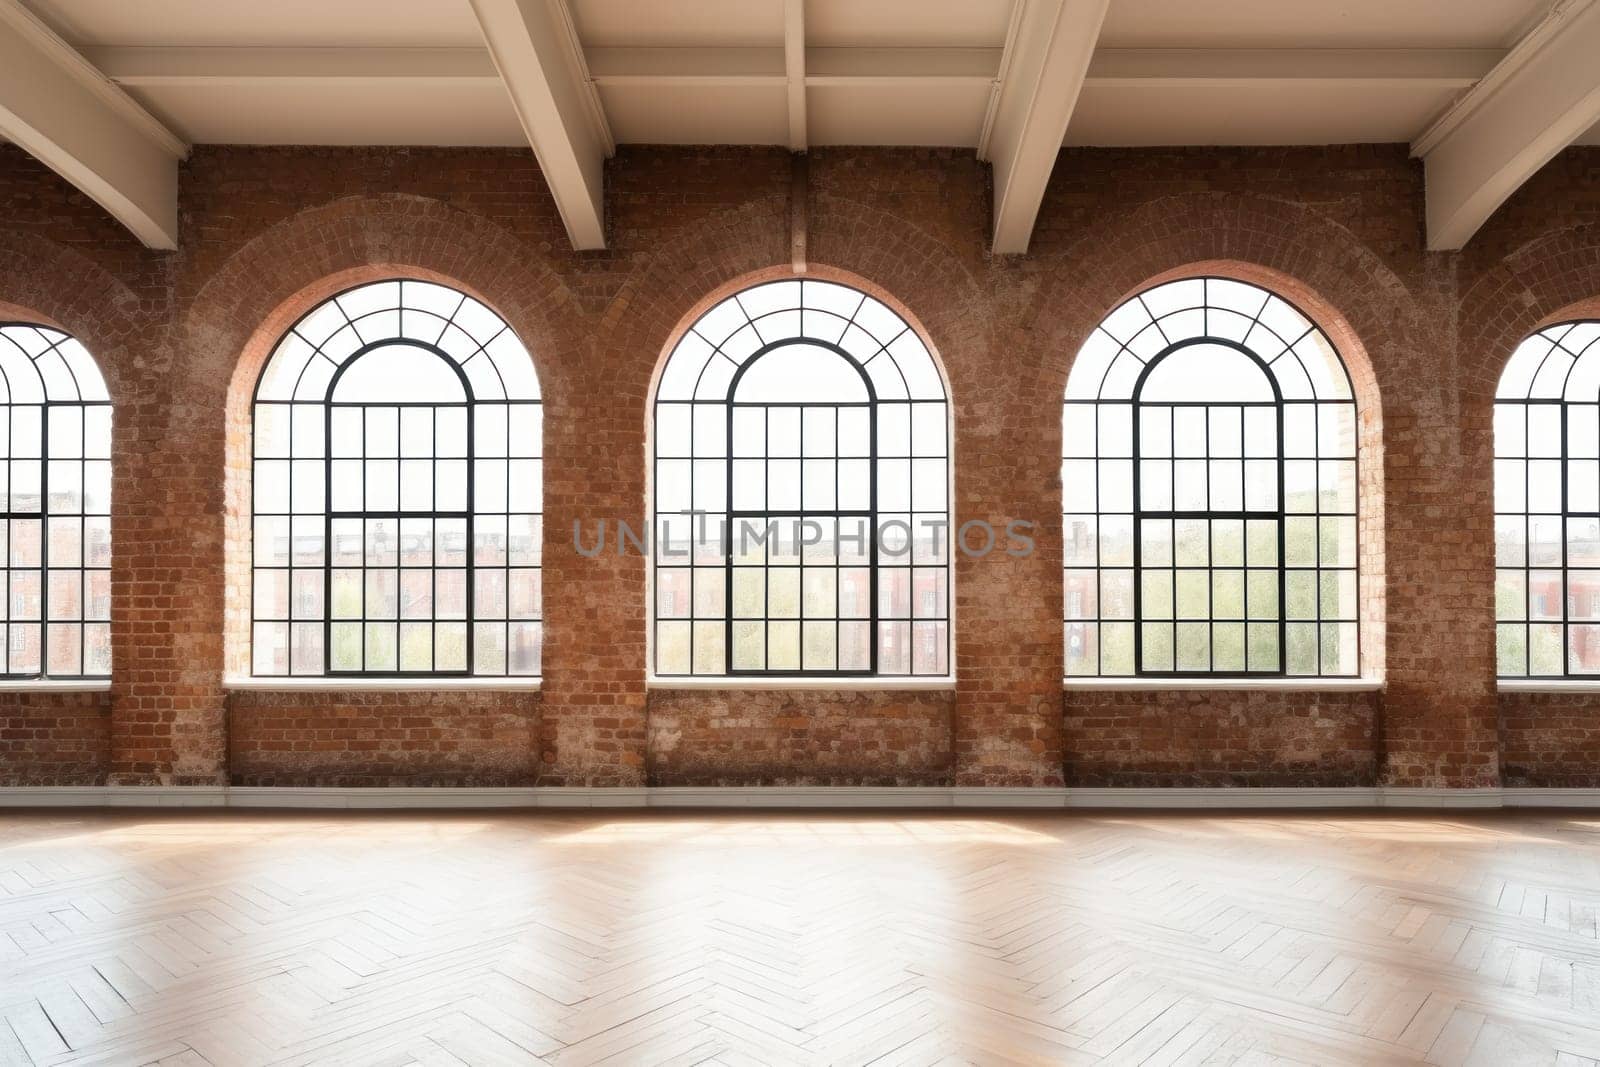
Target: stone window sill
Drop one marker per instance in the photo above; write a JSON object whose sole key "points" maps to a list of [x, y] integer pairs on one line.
{"points": [[814, 685], [1272, 685], [245, 684], [55, 685], [1549, 685]]}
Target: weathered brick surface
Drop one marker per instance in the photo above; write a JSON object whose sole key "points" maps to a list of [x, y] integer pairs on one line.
{"points": [[1550, 739], [268, 232], [1536, 262], [54, 739], [1222, 738], [383, 739], [741, 737]]}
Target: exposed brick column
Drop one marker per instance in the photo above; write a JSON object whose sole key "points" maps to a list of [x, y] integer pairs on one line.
{"points": [[1113, 225], [232, 319], [142, 730], [918, 237], [1510, 290]]}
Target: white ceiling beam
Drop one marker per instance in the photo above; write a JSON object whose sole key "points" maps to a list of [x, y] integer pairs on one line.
{"points": [[1454, 68], [794, 70], [769, 66], [880, 66], [143, 67], [1534, 103], [684, 66], [534, 47], [1049, 57], [66, 114]]}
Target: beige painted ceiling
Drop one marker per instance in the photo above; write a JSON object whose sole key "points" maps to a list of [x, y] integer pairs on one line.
{"points": [[712, 71]]}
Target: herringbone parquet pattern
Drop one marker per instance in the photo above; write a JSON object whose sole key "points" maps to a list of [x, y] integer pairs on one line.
{"points": [[798, 939]]}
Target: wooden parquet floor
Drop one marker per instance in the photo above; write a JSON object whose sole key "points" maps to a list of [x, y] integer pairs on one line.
{"points": [[632, 938]]}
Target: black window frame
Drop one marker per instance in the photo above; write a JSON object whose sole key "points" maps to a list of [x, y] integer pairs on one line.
{"points": [[908, 627], [1287, 410], [46, 514], [1563, 407], [471, 567]]}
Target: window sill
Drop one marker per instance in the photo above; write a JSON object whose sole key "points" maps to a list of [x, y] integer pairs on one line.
{"points": [[54, 685], [1548, 685], [1272, 685], [899, 685], [380, 685]]}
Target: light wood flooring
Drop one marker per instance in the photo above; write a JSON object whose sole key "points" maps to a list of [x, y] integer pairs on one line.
{"points": [[633, 938]]}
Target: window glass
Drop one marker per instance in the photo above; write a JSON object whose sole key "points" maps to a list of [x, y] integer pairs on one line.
{"points": [[396, 491], [801, 491], [1547, 506], [55, 477], [1209, 491]]}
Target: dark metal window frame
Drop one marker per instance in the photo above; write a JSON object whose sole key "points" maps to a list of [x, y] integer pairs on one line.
{"points": [[45, 516], [767, 515], [1210, 517], [470, 568], [1280, 515], [729, 517], [1562, 407]]}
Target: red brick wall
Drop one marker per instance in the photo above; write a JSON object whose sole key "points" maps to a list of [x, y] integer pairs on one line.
{"points": [[1550, 739], [1221, 738], [267, 232], [383, 739], [744, 737], [1537, 261], [54, 739]]}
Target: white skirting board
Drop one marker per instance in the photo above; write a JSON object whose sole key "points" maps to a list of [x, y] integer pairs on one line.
{"points": [[757, 797]]}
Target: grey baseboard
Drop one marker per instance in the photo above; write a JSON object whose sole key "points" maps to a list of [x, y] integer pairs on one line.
{"points": [[769, 797]]}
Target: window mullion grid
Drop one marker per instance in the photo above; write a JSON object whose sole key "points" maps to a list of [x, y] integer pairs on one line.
{"points": [[470, 576], [10, 546], [402, 512], [874, 578], [936, 617], [1283, 540], [770, 513], [83, 539], [1172, 500], [656, 535], [1316, 541], [1244, 533], [1211, 560], [327, 535], [44, 539], [694, 556], [1566, 561], [766, 547], [1209, 565], [289, 612], [399, 541], [366, 417], [1525, 517], [729, 626], [1527, 539], [799, 549], [433, 541], [1136, 451]]}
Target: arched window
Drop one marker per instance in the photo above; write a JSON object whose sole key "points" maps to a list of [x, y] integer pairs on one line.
{"points": [[1547, 505], [55, 547], [1209, 490], [801, 490], [396, 487]]}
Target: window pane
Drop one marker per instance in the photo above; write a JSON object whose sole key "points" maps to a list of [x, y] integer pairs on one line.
{"points": [[818, 465], [413, 428], [1219, 457]]}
